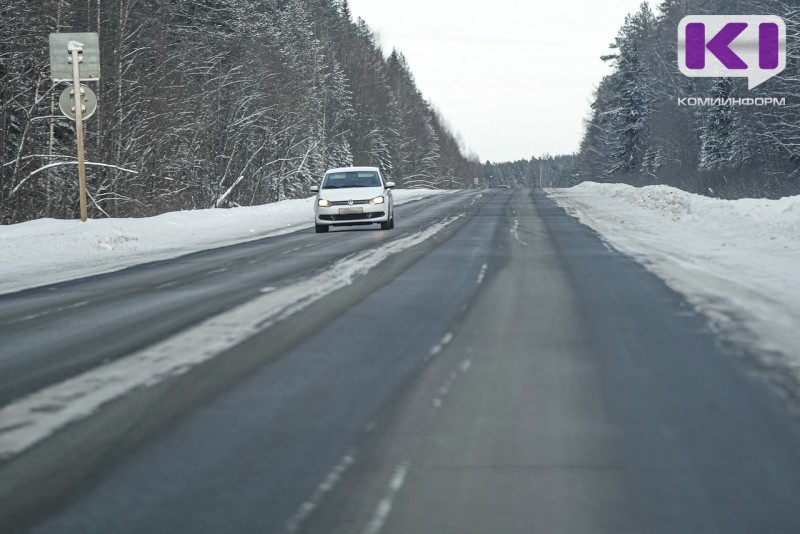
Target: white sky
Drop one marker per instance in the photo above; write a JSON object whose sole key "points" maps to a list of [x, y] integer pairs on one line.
{"points": [[514, 78]]}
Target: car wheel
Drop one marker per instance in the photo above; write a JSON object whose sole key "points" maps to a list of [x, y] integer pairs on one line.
{"points": [[321, 228]]}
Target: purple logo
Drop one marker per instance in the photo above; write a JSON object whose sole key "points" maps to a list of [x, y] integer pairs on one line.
{"points": [[747, 46]]}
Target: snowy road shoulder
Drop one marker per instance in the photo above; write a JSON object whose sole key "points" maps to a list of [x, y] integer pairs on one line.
{"points": [[735, 261], [48, 251]]}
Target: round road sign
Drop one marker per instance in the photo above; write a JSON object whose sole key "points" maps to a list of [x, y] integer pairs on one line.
{"points": [[67, 102]]}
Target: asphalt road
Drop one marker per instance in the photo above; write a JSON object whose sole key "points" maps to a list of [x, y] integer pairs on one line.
{"points": [[512, 375], [56, 331]]}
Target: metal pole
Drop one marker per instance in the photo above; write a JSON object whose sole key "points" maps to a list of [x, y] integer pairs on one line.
{"points": [[78, 99]]}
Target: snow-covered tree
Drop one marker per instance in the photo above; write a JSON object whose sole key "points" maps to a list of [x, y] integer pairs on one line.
{"points": [[210, 102], [631, 82]]}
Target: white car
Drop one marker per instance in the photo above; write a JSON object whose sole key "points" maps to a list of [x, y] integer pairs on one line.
{"points": [[352, 196]]}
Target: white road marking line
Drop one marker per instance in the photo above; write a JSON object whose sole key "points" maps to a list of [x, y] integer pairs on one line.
{"points": [[445, 388], [482, 274], [48, 312], [436, 349], [385, 505], [447, 385], [31, 419], [326, 486]]}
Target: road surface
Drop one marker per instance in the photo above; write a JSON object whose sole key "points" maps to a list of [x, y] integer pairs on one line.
{"points": [[509, 374]]}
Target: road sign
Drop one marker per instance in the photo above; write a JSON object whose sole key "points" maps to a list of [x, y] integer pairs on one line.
{"points": [[75, 57], [88, 101], [61, 59]]}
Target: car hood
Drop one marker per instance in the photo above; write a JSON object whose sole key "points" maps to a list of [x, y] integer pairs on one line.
{"points": [[351, 193]]}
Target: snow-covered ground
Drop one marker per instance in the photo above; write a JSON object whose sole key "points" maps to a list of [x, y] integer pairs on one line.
{"points": [[736, 261], [46, 251]]}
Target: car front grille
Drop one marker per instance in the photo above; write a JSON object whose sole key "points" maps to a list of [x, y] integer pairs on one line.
{"points": [[347, 202]]}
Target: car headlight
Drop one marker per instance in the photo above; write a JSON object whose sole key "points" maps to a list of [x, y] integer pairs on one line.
{"points": [[377, 200], [322, 203]]}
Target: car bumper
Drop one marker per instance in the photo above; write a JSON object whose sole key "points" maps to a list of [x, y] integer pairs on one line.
{"points": [[343, 215]]}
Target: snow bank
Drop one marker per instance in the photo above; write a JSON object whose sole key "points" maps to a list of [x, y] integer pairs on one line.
{"points": [[46, 251], [736, 261]]}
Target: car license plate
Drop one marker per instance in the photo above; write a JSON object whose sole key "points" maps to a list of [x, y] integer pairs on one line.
{"points": [[350, 211]]}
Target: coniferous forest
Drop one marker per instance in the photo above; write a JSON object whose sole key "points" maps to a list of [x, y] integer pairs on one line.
{"points": [[639, 132], [210, 103]]}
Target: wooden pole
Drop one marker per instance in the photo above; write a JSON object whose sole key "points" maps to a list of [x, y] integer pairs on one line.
{"points": [[78, 99]]}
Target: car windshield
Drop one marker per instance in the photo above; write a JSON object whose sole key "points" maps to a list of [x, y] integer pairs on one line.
{"points": [[340, 180]]}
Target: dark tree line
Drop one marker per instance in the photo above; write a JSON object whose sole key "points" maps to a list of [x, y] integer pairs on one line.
{"points": [[638, 133], [210, 102], [545, 171]]}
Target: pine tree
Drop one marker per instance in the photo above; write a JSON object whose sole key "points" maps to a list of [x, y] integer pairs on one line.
{"points": [[344, 10], [723, 141], [632, 85]]}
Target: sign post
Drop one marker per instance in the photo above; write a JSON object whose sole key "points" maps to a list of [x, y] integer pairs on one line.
{"points": [[76, 51], [80, 48]]}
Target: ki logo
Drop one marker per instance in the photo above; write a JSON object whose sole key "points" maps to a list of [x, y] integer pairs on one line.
{"points": [[746, 46]]}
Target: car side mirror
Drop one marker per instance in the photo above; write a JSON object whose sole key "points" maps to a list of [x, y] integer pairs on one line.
{"points": [[314, 188], [389, 185]]}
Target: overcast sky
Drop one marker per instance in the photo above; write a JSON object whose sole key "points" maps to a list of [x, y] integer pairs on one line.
{"points": [[514, 78]]}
